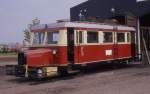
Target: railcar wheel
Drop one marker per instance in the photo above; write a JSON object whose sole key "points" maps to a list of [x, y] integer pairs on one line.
{"points": [[84, 68], [63, 71]]}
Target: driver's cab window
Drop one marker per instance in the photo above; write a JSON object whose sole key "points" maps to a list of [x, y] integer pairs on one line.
{"points": [[51, 37]]}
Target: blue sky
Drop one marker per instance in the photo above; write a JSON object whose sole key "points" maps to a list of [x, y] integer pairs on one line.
{"points": [[16, 14]]}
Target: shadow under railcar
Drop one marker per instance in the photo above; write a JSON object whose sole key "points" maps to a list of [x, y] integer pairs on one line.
{"points": [[88, 70]]}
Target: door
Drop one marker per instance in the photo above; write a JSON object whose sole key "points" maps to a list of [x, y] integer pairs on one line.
{"points": [[121, 48], [79, 48], [70, 46]]}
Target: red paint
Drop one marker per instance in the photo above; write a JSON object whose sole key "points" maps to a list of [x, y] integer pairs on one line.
{"points": [[39, 57], [97, 52], [49, 29], [88, 29], [104, 30], [82, 54], [56, 59]]}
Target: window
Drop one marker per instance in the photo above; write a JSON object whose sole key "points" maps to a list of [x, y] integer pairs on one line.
{"points": [[80, 37], [108, 37], [132, 37], [92, 37], [120, 37], [128, 37], [52, 37], [38, 37]]}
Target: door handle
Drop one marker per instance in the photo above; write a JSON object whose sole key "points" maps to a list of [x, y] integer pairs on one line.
{"points": [[82, 52]]}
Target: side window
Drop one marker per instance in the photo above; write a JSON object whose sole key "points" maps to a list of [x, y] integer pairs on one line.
{"points": [[108, 37], [52, 37], [80, 37], [132, 37], [120, 37], [92, 37], [128, 37]]}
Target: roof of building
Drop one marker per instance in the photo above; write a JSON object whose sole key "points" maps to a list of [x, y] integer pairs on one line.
{"points": [[102, 8]]}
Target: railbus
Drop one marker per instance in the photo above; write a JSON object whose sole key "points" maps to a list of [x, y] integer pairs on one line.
{"points": [[60, 46]]}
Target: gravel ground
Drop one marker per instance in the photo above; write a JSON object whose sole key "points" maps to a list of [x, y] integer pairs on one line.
{"points": [[3, 63], [116, 80], [8, 58]]}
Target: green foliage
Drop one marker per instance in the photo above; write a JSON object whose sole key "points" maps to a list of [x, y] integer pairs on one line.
{"points": [[27, 35]]}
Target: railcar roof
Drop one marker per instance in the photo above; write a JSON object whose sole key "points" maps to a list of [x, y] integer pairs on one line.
{"points": [[83, 25]]}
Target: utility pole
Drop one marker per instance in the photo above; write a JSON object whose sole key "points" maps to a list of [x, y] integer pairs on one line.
{"points": [[139, 38]]}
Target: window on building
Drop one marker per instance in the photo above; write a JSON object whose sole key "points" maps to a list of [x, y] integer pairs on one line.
{"points": [[108, 37], [92, 37], [52, 37], [120, 37]]}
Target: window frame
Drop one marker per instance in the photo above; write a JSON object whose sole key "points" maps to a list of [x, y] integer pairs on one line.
{"points": [[97, 40], [108, 41], [46, 41], [117, 37], [80, 37], [128, 37]]}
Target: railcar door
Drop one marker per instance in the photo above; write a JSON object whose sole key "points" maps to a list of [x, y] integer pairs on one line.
{"points": [[121, 48], [79, 49], [70, 47], [133, 44]]}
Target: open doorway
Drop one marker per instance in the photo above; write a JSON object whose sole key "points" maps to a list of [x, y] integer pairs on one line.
{"points": [[70, 46], [145, 37]]}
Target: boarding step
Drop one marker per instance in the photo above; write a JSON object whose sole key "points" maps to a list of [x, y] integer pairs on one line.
{"points": [[73, 71]]}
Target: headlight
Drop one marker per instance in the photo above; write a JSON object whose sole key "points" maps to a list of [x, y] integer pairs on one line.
{"points": [[39, 71], [54, 51]]}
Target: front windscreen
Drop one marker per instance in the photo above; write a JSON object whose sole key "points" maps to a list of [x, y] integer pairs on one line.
{"points": [[38, 38], [50, 37]]}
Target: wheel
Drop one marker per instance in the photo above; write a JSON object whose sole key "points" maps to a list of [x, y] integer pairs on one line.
{"points": [[63, 71]]}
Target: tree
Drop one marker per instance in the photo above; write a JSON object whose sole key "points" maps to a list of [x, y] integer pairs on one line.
{"points": [[27, 36]]}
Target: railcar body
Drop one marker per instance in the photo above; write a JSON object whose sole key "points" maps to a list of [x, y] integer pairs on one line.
{"points": [[55, 47]]}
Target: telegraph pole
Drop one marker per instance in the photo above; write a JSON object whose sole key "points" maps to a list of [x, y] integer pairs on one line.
{"points": [[139, 38]]}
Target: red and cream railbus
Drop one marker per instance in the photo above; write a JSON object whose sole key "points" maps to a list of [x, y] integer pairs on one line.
{"points": [[55, 47]]}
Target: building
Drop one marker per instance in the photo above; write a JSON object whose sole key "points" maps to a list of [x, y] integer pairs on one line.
{"points": [[126, 12], [105, 9]]}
